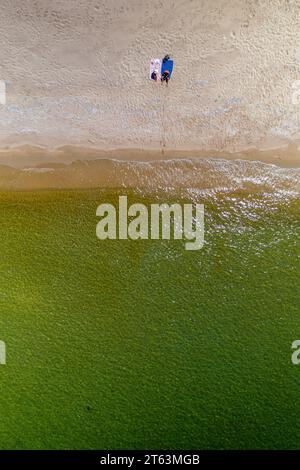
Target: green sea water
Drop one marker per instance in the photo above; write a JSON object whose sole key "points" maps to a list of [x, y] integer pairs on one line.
{"points": [[142, 344]]}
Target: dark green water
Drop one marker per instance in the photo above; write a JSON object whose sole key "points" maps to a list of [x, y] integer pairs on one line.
{"points": [[122, 344]]}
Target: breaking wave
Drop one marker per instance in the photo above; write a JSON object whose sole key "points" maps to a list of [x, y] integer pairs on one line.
{"points": [[208, 175]]}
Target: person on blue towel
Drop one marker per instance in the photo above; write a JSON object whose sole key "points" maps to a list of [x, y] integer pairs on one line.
{"points": [[165, 77]]}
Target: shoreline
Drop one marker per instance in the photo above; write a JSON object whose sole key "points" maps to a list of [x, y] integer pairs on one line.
{"points": [[26, 156], [79, 168]]}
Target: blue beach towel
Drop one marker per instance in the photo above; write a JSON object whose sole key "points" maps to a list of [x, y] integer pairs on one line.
{"points": [[168, 65]]}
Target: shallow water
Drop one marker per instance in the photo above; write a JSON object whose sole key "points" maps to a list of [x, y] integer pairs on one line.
{"points": [[142, 344], [205, 174]]}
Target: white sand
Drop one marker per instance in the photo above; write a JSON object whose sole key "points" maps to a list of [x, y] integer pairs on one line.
{"points": [[77, 74]]}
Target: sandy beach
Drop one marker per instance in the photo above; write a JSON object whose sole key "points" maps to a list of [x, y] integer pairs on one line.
{"points": [[76, 77]]}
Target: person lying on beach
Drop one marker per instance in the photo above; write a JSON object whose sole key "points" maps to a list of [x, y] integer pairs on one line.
{"points": [[165, 77], [154, 75]]}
